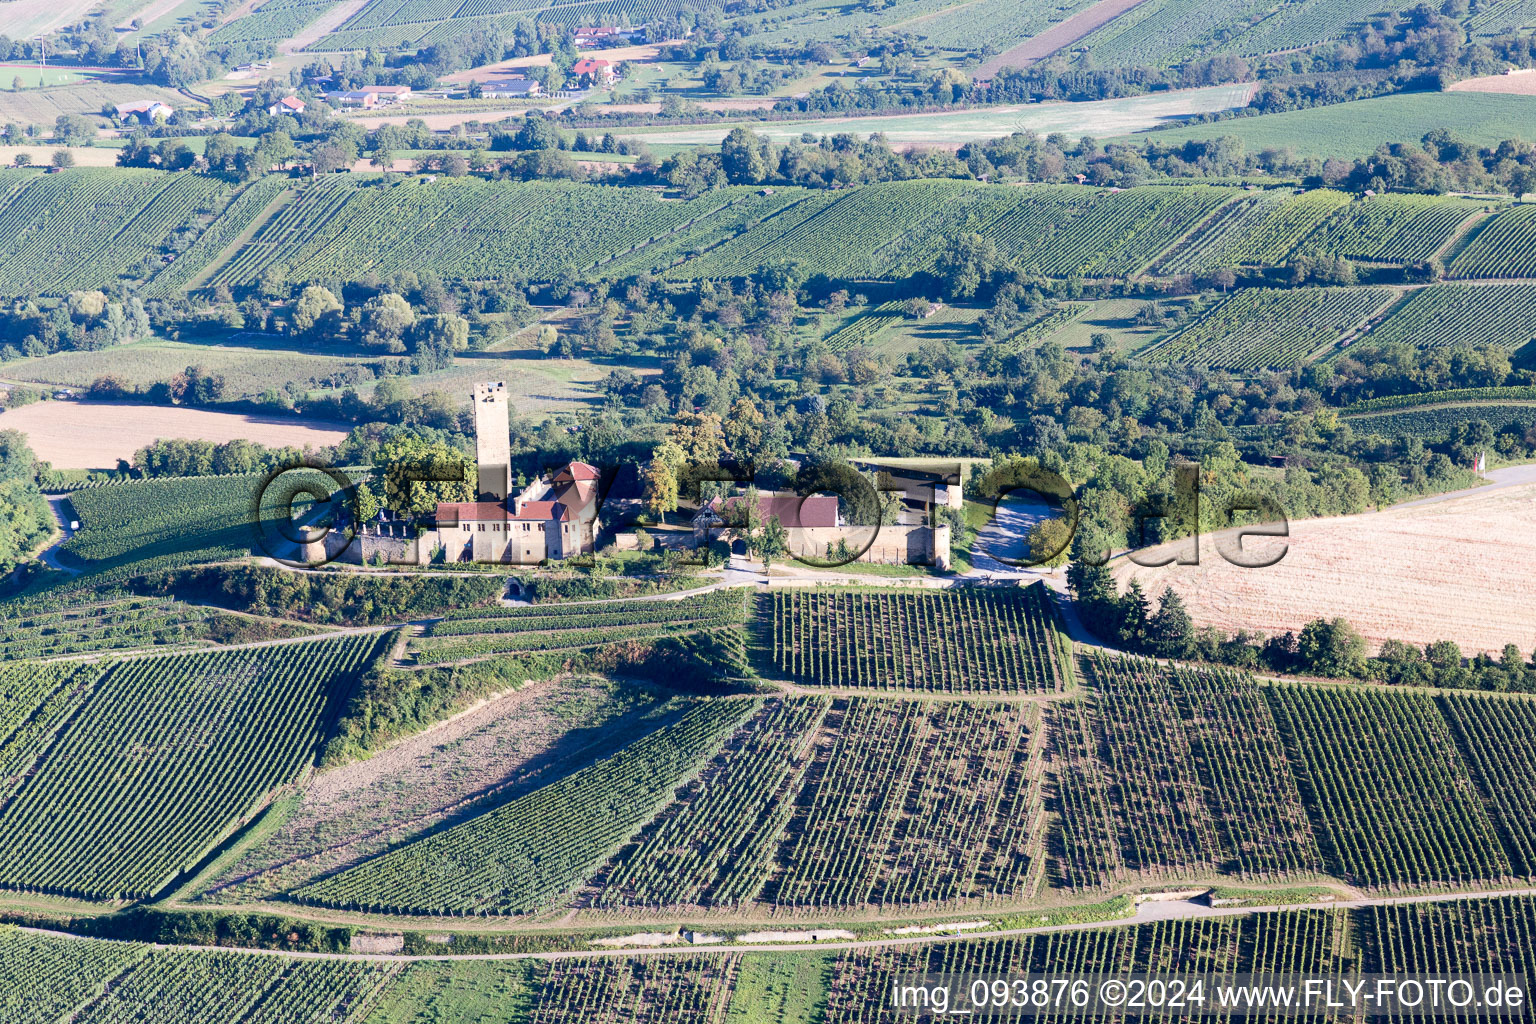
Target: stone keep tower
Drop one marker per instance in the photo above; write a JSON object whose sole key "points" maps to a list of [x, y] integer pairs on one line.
{"points": [[493, 450]]}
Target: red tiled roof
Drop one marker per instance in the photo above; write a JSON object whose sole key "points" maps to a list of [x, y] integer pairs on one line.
{"points": [[793, 512], [587, 65], [472, 511], [542, 510], [576, 471]]}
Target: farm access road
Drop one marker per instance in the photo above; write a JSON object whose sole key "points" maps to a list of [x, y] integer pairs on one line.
{"points": [[1146, 913]]}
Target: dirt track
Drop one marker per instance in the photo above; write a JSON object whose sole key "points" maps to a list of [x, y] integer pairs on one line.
{"points": [[1057, 36]]}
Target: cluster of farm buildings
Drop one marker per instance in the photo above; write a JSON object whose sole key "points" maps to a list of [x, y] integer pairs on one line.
{"points": [[576, 509]]}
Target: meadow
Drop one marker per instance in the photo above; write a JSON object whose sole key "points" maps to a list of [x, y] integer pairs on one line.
{"points": [[1354, 130]]}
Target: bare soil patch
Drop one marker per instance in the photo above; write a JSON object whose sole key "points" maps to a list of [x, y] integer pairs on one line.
{"points": [[643, 52], [462, 766], [1457, 570], [1516, 83], [1063, 34], [94, 435]]}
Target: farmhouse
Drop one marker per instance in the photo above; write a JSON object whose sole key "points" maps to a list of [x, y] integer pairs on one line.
{"points": [[590, 36], [371, 96], [512, 89], [143, 111], [594, 70], [287, 105]]}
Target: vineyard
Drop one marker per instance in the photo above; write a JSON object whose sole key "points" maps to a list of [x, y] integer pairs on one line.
{"points": [[1392, 802], [1504, 247], [46, 978], [35, 699], [1497, 736], [529, 851], [165, 756], [272, 22], [1047, 325], [712, 846], [242, 211], [129, 528], [691, 989], [865, 329], [129, 623], [953, 641], [1437, 422], [1467, 315], [1392, 228], [571, 627], [1261, 229], [88, 228], [1487, 936], [1275, 943], [909, 803], [1167, 771], [1268, 327], [1514, 393]]}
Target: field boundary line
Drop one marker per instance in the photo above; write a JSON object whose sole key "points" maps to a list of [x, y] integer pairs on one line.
{"points": [[279, 202], [1147, 913]]}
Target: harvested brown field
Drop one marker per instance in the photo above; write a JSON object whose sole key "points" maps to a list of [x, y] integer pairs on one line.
{"points": [[94, 435], [1455, 569], [1517, 83], [1062, 34]]}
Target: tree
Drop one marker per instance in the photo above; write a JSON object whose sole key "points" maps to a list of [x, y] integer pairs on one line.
{"points": [[17, 84], [1330, 647], [1171, 629], [744, 156], [772, 542], [316, 309], [23, 160], [965, 263], [660, 489], [383, 159], [63, 158], [417, 474], [277, 148], [743, 428], [1049, 540], [384, 319]]}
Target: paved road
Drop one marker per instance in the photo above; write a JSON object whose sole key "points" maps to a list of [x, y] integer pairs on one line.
{"points": [[49, 555], [1509, 476]]}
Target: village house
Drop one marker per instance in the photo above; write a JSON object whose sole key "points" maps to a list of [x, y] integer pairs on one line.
{"points": [[512, 89], [291, 105], [592, 36], [594, 70], [370, 97], [143, 111]]}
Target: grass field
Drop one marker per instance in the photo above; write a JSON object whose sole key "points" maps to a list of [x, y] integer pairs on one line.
{"points": [[248, 369], [1351, 130], [87, 96]]}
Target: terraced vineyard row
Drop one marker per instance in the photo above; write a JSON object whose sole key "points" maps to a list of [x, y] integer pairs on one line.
{"points": [[712, 846], [1393, 805], [536, 847], [117, 625], [1448, 314], [910, 804], [239, 215], [1271, 327], [86, 228], [1257, 230], [956, 641], [1199, 772], [1435, 423], [165, 755], [579, 626], [1497, 737]]}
